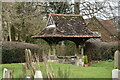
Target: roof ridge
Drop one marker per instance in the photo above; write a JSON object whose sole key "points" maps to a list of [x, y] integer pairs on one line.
{"points": [[66, 14]]}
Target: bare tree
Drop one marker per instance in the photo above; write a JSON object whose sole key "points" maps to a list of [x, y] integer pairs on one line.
{"points": [[25, 19], [100, 11]]}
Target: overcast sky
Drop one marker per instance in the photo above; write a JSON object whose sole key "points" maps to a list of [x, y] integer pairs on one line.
{"points": [[53, 0]]}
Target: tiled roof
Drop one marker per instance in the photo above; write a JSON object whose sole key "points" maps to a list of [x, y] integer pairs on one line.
{"points": [[66, 26], [64, 15], [106, 27]]}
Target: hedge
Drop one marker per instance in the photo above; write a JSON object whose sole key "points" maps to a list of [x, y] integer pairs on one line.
{"points": [[13, 52], [101, 50]]}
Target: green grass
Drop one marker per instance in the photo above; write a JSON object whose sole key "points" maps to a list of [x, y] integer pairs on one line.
{"points": [[103, 69]]}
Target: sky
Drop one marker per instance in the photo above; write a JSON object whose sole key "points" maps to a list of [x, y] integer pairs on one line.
{"points": [[92, 1], [54, 0], [113, 3]]}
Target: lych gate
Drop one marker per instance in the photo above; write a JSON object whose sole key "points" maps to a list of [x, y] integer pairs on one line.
{"points": [[62, 27]]}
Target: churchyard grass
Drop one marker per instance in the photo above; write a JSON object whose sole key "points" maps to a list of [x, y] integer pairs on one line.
{"points": [[103, 69]]}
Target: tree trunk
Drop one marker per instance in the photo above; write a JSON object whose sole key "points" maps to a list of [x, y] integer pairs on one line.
{"points": [[13, 33], [9, 32], [77, 8], [3, 39]]}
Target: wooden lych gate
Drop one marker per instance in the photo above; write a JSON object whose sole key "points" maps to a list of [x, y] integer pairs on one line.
{"points": [[62, 27]]}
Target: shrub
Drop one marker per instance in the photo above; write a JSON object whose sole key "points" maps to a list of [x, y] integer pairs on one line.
{"points": [[85, 60], [13, 52], [12, 55], [100, 50]]}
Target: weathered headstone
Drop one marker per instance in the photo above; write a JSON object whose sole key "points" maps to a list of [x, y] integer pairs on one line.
{"points": [[80, 61], [117, 59], [80, 55], [116, 71], [4, 72]]}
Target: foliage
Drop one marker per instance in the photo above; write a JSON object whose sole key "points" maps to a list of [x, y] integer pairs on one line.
{"points": [[95, 51], [13, 52], [85, 60], [28, 18], [100, 50], [110, 60], [57, 8], [13, 33], [12, 55], [21, 21]]}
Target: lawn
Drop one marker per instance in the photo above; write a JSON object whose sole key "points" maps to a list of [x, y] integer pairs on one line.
{"points": [[103, 69]]}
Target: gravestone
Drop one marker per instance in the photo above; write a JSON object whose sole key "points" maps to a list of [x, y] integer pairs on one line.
{"points": [[115, 74], [116, 71], [38, 75], [4, 72], [7, 73], [80, 61], [117, 59]]}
